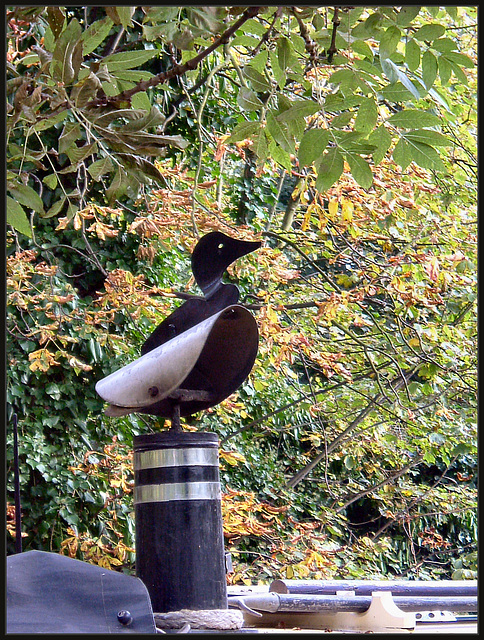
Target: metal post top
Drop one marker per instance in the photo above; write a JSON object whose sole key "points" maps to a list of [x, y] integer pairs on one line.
{"points": [[175, 440]]}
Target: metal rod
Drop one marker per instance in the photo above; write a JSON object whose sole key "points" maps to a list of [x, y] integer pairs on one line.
{"points": [[366, 587], [303, 603]]}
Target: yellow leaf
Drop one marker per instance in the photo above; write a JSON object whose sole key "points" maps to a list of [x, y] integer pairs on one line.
{"points": [[333, 207], [347, 210]]}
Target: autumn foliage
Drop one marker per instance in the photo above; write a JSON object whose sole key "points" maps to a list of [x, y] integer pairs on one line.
{"points": [[345, 140]]}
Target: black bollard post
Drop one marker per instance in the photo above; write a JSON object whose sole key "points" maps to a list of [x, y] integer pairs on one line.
{"points": [[179, 537]]}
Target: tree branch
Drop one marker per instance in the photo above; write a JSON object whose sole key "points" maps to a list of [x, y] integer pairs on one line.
{"points": [[178, 70]]}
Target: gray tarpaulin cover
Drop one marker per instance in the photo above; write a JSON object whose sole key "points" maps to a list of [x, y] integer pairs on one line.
{"points": [[51, 593]]}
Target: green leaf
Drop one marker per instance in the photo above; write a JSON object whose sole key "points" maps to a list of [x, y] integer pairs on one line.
{"points": [[402, 154], [426, 156], [70, 133], [367, 116], [284, 53], [460, 59], [56, 208], [280, 156], [118, 186], [396, 93], [259, 62], [257, 80], [248, 100], [362, 48], [243, 130], [95, 34], [429, 32], [17, 218], [445, 69], [393, 73], [26, 196], [50, 181], [312, 145], [389, 41], [67, 56], [125, 15], [56, 20], [329, 170], [444, 45], [360, 170], [280, 132], [299, 109], [382, 139], [245, 41], [429, 68], [279, 74], [128, 59], [76, 154], [411, 118], [427, 136], [406, 15], [412, 55], [141, 101], [100, 168], [459, 74], [260, 146]]}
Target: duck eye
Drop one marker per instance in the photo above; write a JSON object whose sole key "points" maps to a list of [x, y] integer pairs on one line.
{"points": [[220, 246]]}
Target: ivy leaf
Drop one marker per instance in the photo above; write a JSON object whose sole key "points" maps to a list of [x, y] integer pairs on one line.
{"points": [[429, 68], [329, 170], [312, 145], [248, 100], [367, 116], [411, 118], [360, 170], [17, 218]]}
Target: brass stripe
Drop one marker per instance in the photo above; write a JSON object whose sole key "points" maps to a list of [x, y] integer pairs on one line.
{"points": [[177, 491], [156, 458]]}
